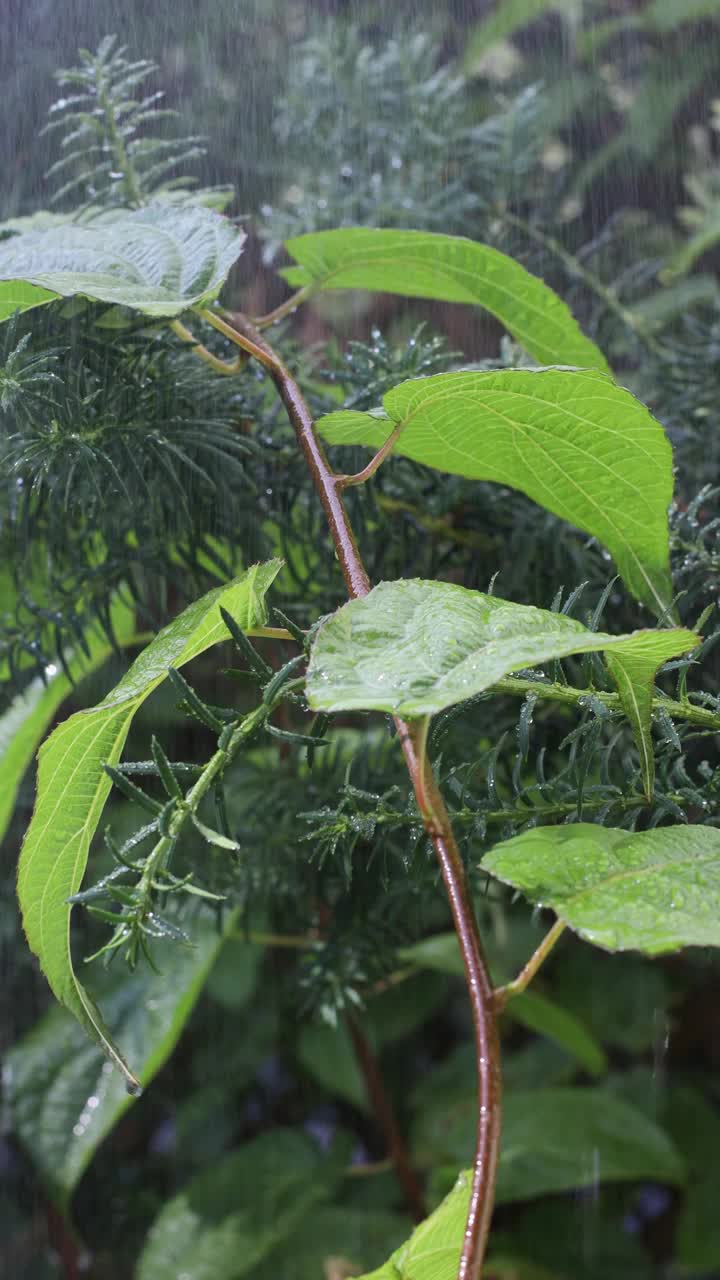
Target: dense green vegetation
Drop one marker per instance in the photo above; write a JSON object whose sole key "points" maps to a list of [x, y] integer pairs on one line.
{"points": [[480, 261]]}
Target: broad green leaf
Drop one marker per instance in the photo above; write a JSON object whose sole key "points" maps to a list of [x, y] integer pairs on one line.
{"points": [[651, 891], [423, 264], [361, 1237], [536, 1012], [554, 1140], [64, 1096], [327, 1054], [72, 785], [547, 1018], [433, 1250], [23, 725], [18, 295], [230, 1217], [574, 442], [559, 1139], [414, 647], [159, 260], [695, 1126]]}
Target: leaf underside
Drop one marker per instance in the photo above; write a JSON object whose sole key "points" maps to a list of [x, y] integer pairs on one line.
{"points": [[159, 260]]}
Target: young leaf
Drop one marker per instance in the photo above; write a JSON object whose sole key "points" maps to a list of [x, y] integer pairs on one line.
{"points": [[421, 264], [63, 1097], [414, 647], [73, 785], [159, 260], [574, 442], [226, 1220], [651, 891], [23, 725]]}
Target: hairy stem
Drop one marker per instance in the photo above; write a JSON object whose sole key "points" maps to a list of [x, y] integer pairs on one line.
{"points": [[432, 806], [385, 1116]]}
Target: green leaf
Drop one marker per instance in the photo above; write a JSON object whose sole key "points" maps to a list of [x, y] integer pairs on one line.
{"points": [[23, 725], [555, 1140], [73, 786], [549, 1019], [64, 1097], [360, 1236], [442, 954], [327, 1054], [414, 647], [638, 1151], [433, 1250], [651, 891], [559, 1139], [421, 264], [159, 260], [18, 295], [695, 1126], [230, 1217], [576, 443]]}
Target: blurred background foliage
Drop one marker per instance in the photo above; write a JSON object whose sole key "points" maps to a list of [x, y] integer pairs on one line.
{"points": [[582, 137]]}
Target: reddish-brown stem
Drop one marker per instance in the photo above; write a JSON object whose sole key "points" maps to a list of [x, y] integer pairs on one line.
{"points": [[324, 479], [385, 1116], [477, 976], [434, 813]]}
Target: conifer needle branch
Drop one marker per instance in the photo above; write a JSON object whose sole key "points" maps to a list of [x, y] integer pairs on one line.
{"points": [[431, 804]]}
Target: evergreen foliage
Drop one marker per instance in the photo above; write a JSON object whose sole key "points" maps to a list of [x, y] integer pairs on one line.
{"points": [[137, 476]]}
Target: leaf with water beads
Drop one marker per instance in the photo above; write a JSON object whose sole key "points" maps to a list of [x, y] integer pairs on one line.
{"points": [[415, 647], [652, 891]]}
